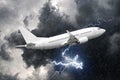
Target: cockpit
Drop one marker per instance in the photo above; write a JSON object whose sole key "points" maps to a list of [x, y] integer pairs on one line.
{"points": [[99, 30]]}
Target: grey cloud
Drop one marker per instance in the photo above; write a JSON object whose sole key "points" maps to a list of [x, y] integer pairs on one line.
{"points": [[114, 43], [4, 53], [6, 14], [91, 10], [66, 7], [50, 23], [7, 77], [34, 57], [31, 57], [13, 12], [15, 38], [26, 21]]}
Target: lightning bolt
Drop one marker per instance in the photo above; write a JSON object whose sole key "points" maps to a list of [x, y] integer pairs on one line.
{"points": [[68, 61]]}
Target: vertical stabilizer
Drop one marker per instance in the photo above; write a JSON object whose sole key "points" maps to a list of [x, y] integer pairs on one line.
{"points": [[28, 36]]}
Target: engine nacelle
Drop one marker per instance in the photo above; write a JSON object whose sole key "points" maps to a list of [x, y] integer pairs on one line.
{"points": [[83, 40]]}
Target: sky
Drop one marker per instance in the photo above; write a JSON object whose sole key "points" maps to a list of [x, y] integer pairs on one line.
{"points": [[45, 18]]}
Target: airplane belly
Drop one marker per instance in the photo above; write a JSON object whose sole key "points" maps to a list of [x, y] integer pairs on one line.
{"points": [[49, 45], [56, 44]]}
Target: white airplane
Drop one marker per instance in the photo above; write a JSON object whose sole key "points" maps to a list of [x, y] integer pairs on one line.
{"points": [[70, 38]]}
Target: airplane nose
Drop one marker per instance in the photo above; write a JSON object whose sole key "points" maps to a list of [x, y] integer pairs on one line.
{"points": [[103, 31]]}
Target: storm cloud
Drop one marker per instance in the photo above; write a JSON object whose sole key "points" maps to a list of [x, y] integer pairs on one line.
{"points": [[46, 18]]}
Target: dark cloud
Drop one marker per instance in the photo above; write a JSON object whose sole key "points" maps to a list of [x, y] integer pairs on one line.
{"points": [[51, 23], [26, 21], [105, 65], [7, 77], [114, 44], [64, 76], [90, 11], [4, 53], [118, 9], [7, 15], [102, 56], [15, 38], [31, 57], [37, 57]]}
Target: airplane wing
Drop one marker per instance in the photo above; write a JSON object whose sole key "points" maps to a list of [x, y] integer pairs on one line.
{"points": [[72, 39]]}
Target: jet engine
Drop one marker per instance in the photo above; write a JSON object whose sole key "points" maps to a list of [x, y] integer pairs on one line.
{"points": [[83, 40]]}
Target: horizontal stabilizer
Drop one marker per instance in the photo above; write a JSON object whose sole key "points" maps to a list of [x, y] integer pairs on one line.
{"points": [[20, 46]]}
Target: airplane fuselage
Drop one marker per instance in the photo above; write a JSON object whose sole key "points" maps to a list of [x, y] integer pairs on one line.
{"points": [[83, 35]]}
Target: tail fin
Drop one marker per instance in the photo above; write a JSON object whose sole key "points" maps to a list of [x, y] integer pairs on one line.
{"points": [[28, 36]]}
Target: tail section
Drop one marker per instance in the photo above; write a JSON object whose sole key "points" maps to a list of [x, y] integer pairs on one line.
{"points": [[20, 46], [28, 36]]}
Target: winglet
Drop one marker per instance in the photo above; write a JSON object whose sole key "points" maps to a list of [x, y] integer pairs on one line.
{"points": [[68, 32]]}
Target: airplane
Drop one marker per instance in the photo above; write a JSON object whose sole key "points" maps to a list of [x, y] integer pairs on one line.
{"points": [[67, 39]]}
